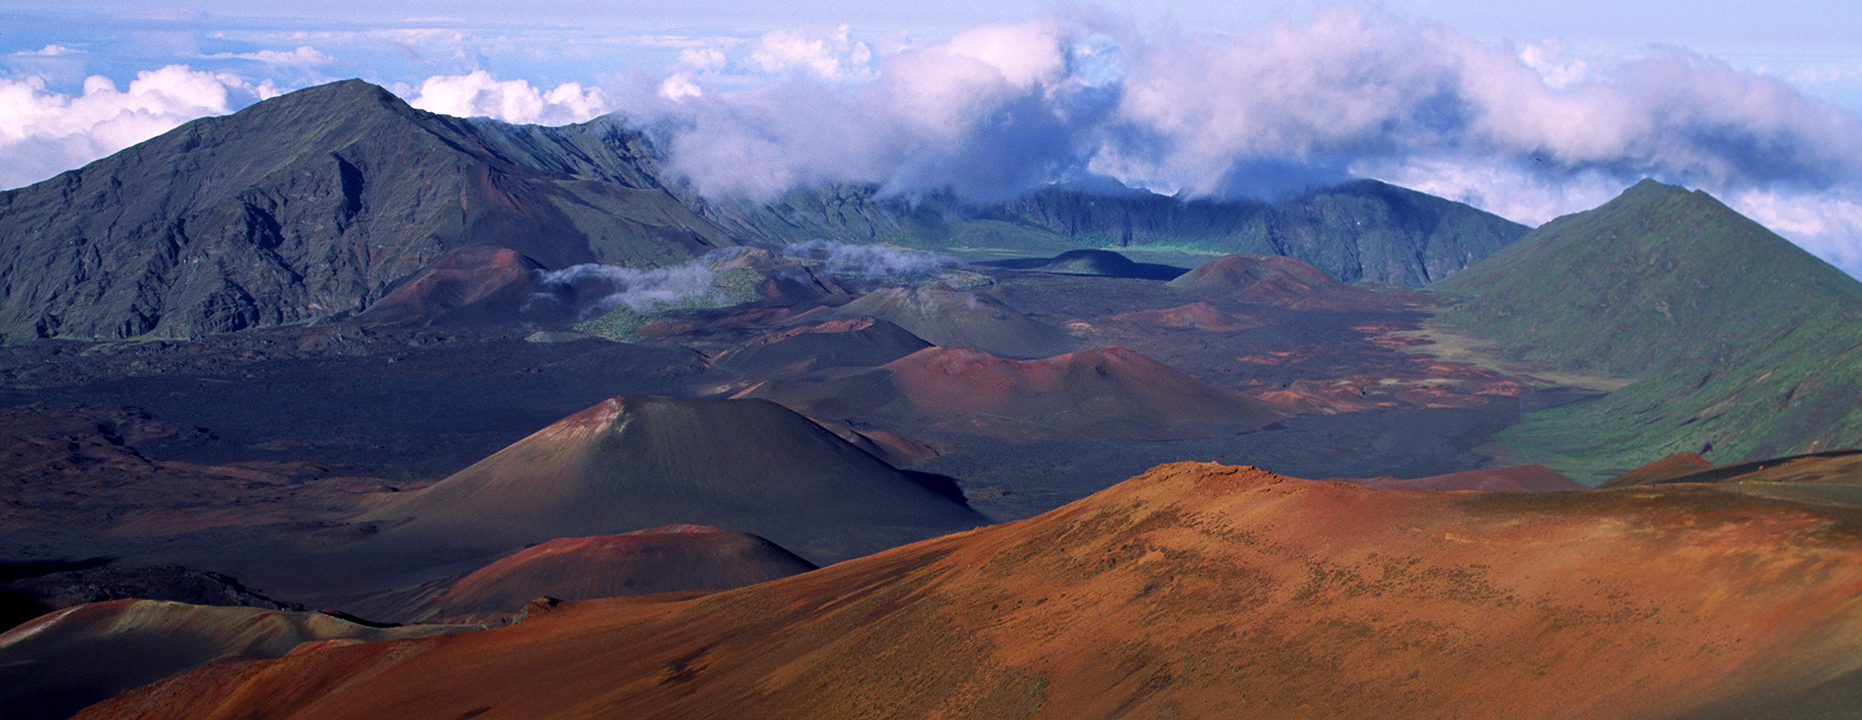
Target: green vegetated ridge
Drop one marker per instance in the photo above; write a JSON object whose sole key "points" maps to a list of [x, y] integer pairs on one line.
{"points": [[1742, 345]]}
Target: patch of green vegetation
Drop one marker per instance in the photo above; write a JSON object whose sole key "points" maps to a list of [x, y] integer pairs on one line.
{"points": [[999, 239], [622, 324], [1203, 249], [731, 286], [1801, 393], [1743, 345]]}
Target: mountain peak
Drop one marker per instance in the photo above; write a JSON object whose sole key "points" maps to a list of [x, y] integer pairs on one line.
{"points": [[1675, 269], [313, 204], [1651, 186], [352, 89], [315, 116], [1650, 192], [1729, 330]]}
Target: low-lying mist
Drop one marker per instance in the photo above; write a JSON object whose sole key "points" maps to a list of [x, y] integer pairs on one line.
{"points": [[594, 289]]}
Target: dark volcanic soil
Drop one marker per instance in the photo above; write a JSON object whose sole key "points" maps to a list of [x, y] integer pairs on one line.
{"points": [[394, 404], [214, 452], [206, 453]]}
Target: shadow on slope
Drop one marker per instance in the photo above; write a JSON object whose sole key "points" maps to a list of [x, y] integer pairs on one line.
{"points": [[643, 461], [669, 558], [59, 663], [1092, 261]]}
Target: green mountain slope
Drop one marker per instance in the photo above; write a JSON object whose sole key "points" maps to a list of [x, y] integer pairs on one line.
{"points": [[1742, 345]]}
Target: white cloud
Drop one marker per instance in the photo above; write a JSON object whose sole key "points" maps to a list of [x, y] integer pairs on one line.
{"points": [[52, 50], [1511, 190], [1828, 223], [1554, 63], [834, 56], [1024, 54], [43, 132], [482, 94], [968, 113], [702, 58], [641, 290], [679, 87], [1529, 132], [303, 56]]}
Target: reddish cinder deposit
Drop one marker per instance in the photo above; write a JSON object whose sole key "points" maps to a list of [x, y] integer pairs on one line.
{"points": [[1521, 478], [1199, 315], [956, 317], [1109, 393], [669, 558], [1272, 279], [1667, 468], [482, 283], [1194, 590]]}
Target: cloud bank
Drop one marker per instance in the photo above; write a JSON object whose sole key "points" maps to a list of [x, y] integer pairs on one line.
{"points": [[43, 133], [879, 263], [1527, 132], [595, 289], [482, 94]]}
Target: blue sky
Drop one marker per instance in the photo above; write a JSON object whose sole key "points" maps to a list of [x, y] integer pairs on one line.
{"points": [[1529, 112]]}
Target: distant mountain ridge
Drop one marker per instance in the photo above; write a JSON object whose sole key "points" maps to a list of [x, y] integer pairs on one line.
{"points": [[1364, 230], [315, 204], [312, 205], [1359, 231], [1744, 346]]}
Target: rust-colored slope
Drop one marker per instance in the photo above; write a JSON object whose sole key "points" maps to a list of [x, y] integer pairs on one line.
{"points": [[669, 558], [1836, 467], [478, 284], [1271, 279], [1262, 278], [1193, 591], [1833, 477], [1198, 315], [1108, 393], [1520, 478], [1667, 468], [957, 317], [54, 665]]}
